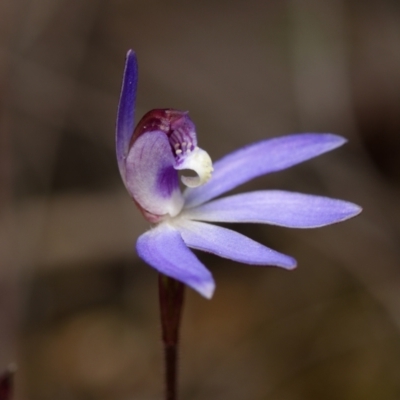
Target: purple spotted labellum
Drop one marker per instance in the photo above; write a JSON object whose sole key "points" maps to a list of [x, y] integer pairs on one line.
{"points": [[165, 142]]}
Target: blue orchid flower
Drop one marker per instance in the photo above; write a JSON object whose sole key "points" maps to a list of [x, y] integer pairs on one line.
{"points": [[163, 143]]}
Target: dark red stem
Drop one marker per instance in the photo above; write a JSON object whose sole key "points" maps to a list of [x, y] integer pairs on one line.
{"points": [[6, 384], [171, 295]]}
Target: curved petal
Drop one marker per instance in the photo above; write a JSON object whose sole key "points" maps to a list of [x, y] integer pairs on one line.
{"points": [[230, 244], [150, 175], [164, 249], [275, 207], [259, 159], [126, 110]]}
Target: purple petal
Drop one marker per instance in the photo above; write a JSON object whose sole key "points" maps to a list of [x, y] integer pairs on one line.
{"points": [[150, 175], [259, 159], [164, 249], [275, 207], [126, 110], [230, 244]]}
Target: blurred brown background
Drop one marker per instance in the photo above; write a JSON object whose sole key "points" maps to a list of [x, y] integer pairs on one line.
{"points": [[78, 310]]}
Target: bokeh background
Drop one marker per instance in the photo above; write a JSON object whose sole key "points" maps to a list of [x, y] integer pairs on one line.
{"points": [[78, 309]]}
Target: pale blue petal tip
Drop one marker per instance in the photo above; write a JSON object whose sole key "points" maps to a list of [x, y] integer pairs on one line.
{"points": [[357, 210], [206, 289], [292, 264]]}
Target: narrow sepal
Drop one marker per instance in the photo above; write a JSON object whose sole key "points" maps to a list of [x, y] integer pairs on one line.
{"points": [[126, 110], [276, 207], [164, 249], [230, 244], [261, 158]]}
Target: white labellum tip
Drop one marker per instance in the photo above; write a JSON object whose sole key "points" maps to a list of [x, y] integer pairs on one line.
{"points": [[200, 162]]}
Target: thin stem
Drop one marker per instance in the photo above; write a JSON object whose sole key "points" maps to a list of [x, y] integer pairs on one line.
{"points": [[171, 296], [6, 383]]}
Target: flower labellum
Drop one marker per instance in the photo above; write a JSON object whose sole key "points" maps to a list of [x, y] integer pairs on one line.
{"points": [[165, 142]]}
